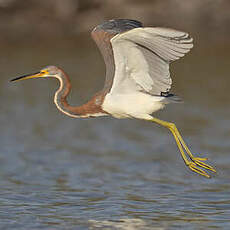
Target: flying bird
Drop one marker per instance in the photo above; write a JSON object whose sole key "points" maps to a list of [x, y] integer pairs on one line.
{"points": [[137, 82]]}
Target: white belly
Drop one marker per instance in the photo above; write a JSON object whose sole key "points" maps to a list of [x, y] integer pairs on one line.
{"points": [[136, 105]]}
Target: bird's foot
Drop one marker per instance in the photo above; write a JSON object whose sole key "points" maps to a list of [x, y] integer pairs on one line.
{"points": [[196, 164]]}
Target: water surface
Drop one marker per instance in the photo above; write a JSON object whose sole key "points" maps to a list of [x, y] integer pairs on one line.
{"points": [[58, 172]]}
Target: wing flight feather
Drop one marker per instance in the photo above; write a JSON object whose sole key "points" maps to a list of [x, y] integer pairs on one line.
{"points": [[142, 57]]}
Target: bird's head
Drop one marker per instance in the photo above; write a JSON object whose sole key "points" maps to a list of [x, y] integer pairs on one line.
{"points": [[49, 71]]}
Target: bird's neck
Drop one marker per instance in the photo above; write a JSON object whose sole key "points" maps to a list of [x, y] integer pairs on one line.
{"points": [[90, 109]]}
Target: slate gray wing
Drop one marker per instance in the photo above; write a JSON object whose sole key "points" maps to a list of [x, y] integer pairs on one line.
{"points": [[102, 34]]}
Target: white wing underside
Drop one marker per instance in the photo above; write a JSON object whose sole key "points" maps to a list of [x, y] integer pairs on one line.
{"points": [[142, 57]]}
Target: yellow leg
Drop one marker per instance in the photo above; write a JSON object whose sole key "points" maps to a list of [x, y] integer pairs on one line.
{"points": [[193, 162]]}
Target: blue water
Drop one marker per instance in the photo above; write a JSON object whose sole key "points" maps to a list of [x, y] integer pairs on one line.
{"points": [[62, 173]]}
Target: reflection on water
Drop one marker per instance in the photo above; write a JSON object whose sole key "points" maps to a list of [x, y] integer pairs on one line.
{"points": [[61, 173], [124, 224]]}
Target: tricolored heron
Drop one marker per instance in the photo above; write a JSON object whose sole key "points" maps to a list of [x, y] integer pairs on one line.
{"points": [[137, 81]]}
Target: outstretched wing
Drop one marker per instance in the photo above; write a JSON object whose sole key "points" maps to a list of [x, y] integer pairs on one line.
{"points": [[102, 35], [142, 57]]}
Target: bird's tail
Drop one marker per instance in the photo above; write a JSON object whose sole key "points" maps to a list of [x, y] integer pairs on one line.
{"points": [[171, 98]]}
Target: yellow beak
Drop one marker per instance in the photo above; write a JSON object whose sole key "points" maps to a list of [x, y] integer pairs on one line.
{"points": [[28, 76]]}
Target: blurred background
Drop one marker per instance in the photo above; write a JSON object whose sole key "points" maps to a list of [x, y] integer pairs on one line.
{"points": [[31, 19], [62, 173]]}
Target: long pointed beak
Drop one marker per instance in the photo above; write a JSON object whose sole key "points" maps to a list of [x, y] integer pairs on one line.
{"points": [[28, 76]]}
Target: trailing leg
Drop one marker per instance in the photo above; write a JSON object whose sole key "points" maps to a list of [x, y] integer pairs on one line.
{"points": [[194, 163]]}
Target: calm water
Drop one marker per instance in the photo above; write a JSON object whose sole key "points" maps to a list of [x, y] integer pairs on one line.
{"points": [[62, 173]]}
